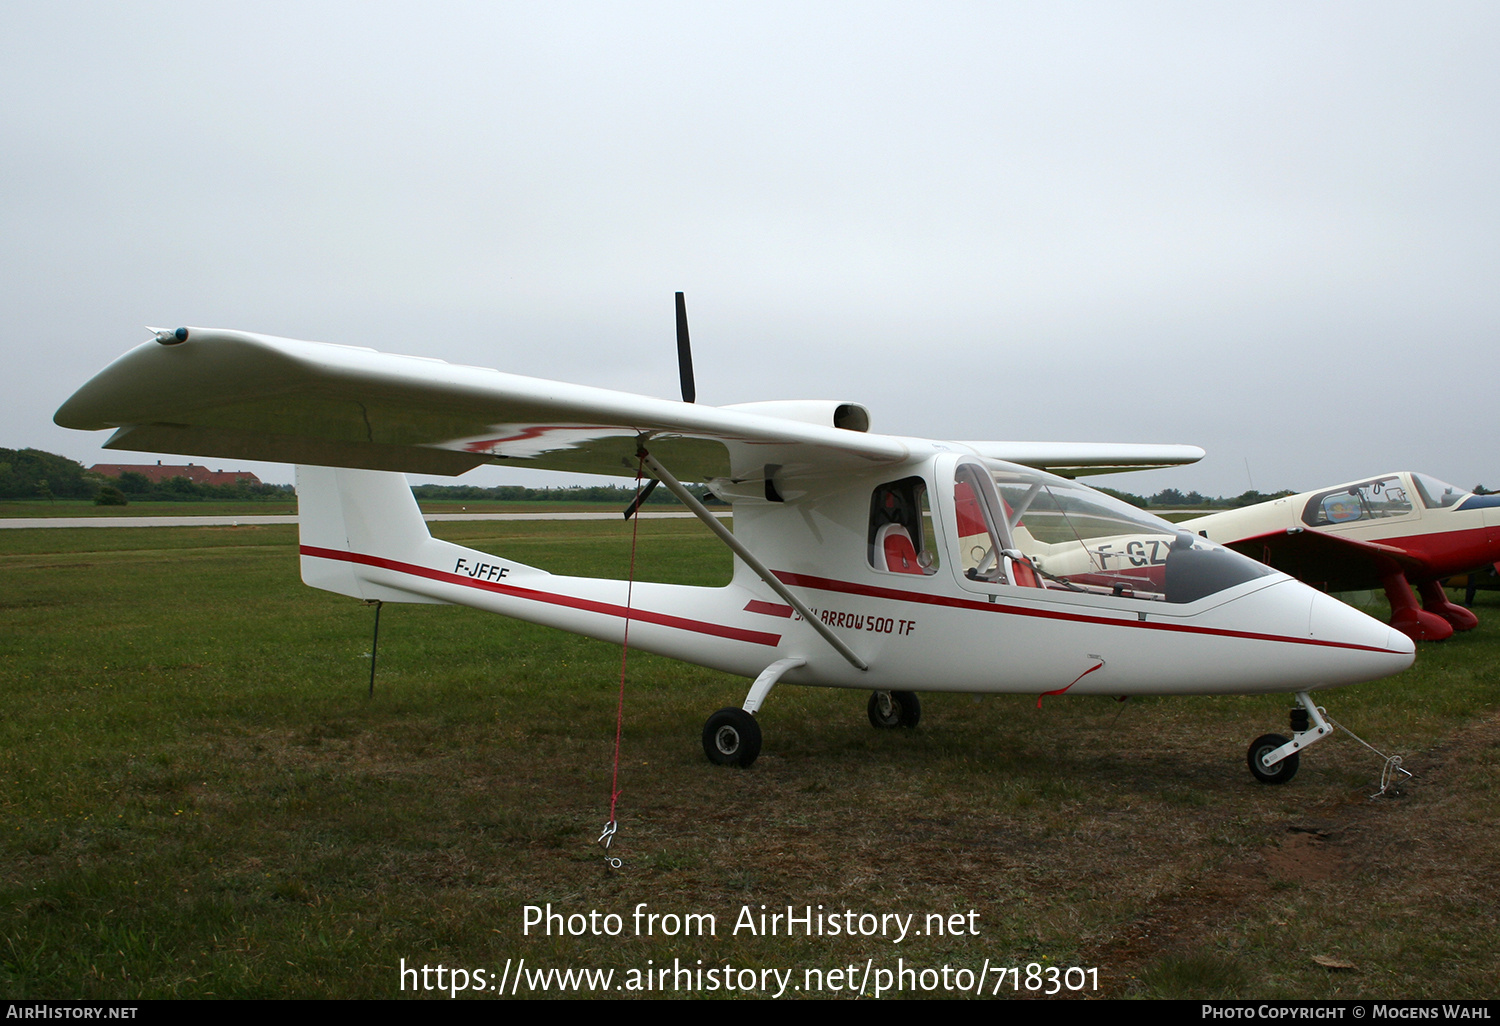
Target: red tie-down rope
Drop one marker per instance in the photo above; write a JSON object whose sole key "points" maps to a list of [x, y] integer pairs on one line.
{"points": [[1085, 673], [607, 837]]}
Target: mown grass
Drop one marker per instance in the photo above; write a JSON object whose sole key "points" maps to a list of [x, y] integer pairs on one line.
{"points": [[28, 508], [198, 799], [282, 506]]}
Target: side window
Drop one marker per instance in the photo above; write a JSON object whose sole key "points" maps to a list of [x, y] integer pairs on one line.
{"points": [[901, 539], [1373, 500]]}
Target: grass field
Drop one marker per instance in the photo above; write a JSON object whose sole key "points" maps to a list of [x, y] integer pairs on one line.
{"points": [[86, 508], [198, 799]]}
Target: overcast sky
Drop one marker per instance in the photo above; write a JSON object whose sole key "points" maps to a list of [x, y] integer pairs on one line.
{"points": [[1272, 230]]}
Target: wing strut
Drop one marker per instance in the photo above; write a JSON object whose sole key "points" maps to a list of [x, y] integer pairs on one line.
{"points": [[727, 537]]}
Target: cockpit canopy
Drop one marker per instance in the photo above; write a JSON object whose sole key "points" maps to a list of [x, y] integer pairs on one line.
{"points": [[1026, 528], [1380, 498]]}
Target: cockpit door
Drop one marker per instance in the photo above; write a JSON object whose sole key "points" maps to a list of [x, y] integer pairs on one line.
{"points": [[976, 517]]}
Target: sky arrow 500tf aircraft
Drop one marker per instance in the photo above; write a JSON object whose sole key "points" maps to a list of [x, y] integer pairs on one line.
{"points": [[891, 564]]}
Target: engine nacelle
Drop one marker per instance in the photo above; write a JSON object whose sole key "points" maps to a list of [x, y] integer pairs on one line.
{"points": [[827, 412]]}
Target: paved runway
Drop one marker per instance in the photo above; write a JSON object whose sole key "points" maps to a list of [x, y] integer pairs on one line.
{"points": [[291, 518]]}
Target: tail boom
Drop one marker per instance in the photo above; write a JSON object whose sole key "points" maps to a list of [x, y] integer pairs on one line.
{"points": [[362, 535]]}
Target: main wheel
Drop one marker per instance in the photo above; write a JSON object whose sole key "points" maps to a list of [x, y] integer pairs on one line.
{"points": [[894, 709], [1280, 773], [731, 737]]}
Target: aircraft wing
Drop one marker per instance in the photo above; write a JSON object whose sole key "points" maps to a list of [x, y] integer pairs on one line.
{"points": [[1084, 459], [239, 395], [233, 394], [1329, 561]]}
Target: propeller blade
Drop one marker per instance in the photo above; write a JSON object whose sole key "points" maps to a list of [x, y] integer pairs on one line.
{"points": [[645, 494], [684, 353]]}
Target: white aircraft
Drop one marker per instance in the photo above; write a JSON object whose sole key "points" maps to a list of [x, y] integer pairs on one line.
{"points": [[891, 564]]}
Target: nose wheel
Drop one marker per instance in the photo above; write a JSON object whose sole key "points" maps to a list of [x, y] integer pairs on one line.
{"points": [[1272, 758], [1263, 746]]}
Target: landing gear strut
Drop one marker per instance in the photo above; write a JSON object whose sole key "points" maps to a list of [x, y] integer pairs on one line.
{"points": [[1417, 624], [731, 737], [1272, 758]]}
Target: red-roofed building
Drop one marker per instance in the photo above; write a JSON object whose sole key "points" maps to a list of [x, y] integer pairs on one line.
{"points": [[158, 473]]}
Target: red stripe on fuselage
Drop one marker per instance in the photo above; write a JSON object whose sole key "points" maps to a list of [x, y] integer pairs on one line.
{"points": [[849, 588], [769, 608], [552, 598]]}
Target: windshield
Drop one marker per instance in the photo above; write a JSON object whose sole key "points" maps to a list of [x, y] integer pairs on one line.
{"points": [[1025, 528], [1436, 494]]}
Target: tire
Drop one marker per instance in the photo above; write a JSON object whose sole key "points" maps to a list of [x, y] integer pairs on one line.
{"points": [[1280, 773], [731, 737], [905, 711]]}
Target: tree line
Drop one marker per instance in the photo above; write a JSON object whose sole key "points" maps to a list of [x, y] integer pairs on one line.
{"points": [[32, 473], [1171, 498], [134, 486]]}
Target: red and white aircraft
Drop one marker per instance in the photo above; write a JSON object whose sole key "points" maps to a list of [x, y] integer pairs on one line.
{"points": [[1391, 531], [878, 562]]}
